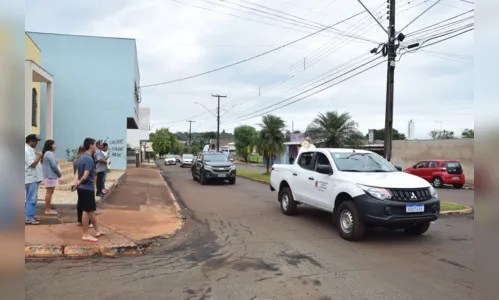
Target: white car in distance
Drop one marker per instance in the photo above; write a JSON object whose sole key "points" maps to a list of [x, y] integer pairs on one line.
{"points": [[360, 188], [186, 160], [170, 160]]}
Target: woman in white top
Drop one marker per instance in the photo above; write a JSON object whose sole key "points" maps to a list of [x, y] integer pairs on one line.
{"points": [[306, 144]]}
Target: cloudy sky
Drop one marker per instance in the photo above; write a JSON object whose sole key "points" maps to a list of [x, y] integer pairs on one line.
{"points": [[180, 38]]}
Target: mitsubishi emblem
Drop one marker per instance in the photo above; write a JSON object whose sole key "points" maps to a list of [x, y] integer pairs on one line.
{"points": [[413, 196]]}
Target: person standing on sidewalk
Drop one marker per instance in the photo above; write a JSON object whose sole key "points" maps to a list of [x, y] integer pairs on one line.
{"points": [[84, 184], [105, 148], [81, 150], [51, 174], [101, 169], [32, 177]]}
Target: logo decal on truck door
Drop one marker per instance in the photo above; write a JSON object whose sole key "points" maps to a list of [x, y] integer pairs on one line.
{"points": [[321, 185]]}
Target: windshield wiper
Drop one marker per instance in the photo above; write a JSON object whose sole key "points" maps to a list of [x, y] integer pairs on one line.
{"points": [[352, 171], [377, 171]]}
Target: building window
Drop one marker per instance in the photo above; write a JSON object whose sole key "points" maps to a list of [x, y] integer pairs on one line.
{"points": [[34, 107]]}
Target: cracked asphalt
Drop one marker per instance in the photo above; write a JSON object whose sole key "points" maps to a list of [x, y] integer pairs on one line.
{"points": [[236, 244]]}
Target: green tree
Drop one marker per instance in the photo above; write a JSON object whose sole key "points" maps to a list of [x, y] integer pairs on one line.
{"points": [[379, 134], [244, 137], [271, 138], [335, 130], [468, 134], [442, 134], [163, 141]]}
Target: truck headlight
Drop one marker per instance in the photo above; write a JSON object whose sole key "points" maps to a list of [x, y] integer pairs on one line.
{"points": [[207, 167], [233, 167], [433, 192], [378, 193]]}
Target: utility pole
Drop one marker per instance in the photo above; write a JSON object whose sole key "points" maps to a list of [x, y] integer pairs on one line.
{"points": [[218, 119], [391, 53], [190, 126]]}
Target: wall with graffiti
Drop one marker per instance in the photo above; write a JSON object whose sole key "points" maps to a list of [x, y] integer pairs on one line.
{"points": [[116, 152]]}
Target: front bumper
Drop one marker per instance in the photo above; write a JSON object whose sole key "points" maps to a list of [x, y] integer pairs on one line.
{"points": [[170, 162], [212, 174], [392, 213]]}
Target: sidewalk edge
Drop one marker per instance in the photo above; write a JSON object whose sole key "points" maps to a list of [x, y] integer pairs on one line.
{"points": [[468, 210], [253, 179]]}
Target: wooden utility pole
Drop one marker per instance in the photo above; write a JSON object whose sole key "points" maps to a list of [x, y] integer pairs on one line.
{"points": [[190, 126], [218, 120]]}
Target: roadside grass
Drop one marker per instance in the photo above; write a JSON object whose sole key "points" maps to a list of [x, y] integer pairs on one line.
{"points": [[444, 206], [254, 175]]}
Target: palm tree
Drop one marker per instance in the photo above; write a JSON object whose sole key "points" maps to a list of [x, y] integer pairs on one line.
{"points": [[468, 134], [335, 130], [271, 138]]}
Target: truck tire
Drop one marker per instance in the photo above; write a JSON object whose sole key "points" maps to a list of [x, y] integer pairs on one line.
{"points": [[194, 176], [288, 203], [232, 181], [202, 178], [418, 228], [349, 223]]}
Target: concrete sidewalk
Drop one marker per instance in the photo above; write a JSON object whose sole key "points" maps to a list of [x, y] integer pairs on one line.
{"points": [[141, 208]]}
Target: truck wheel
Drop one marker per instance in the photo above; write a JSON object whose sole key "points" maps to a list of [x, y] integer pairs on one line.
{"points": [[288, 204], [437, 182], [349, 223], [232, 181], [193, 176], [418, 228], [202, 178]]}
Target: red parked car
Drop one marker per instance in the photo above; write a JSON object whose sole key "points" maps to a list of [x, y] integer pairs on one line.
{"points": [[439, 172]]}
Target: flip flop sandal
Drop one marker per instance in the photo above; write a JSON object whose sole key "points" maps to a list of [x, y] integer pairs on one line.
{"points": [[32, 222], [89, 239], [100, 233], [52, 213]]}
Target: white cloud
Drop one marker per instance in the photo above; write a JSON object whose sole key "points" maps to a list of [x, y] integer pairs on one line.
{"points": [[176, 40]]}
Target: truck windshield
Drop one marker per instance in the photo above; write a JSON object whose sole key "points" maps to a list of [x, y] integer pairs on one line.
{"points": [[215, 157], [361, 162], [188, 156]]}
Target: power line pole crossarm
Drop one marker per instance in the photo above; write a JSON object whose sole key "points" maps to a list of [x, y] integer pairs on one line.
{"points": [[218, 119]]}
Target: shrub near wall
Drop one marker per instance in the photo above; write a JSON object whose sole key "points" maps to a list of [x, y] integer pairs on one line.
{"points": [[406, 153]]}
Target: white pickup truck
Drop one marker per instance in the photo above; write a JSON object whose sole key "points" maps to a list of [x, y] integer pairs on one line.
{"points": [[360, 188]]}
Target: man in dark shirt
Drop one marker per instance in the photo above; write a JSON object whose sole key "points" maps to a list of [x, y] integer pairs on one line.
{"points": [[85, 185]]}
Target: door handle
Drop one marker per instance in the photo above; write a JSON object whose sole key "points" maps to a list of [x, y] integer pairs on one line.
{"points": [[311, 178], [295, 174]]}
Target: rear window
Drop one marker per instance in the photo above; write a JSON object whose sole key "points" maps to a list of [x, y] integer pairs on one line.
{"points": [[452, 164]]}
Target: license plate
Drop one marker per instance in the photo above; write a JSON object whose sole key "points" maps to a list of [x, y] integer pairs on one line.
{"points": [[457, 178], [412, 208], [222, 175]]}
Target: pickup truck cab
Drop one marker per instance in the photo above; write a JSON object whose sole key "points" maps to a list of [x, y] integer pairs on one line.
{"points": [[360, 188]]}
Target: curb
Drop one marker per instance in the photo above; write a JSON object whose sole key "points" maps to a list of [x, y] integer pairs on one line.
{"points": [[51, 251], [253, 179], [468, 210]]}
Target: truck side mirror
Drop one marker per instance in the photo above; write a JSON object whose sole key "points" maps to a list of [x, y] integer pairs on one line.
{"points": [[324, 169]]}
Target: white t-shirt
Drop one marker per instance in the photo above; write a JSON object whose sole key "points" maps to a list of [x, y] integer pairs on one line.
{"points": [[206, 148]]}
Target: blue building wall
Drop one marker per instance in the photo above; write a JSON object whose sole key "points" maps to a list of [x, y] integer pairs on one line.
{"points": [[94, 83]]}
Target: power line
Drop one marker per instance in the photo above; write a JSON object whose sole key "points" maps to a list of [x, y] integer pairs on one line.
{"points": [[302, 98], [250, 58], [242, 118]]}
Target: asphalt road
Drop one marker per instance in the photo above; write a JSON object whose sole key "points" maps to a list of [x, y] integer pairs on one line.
{"points": [[238, 245], [448, 193]]}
